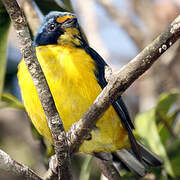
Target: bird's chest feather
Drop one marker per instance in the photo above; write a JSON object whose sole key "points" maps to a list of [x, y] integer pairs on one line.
{"points": [[71, 78]]}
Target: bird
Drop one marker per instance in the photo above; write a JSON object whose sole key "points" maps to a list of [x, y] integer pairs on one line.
{"points": [[75, 74]]}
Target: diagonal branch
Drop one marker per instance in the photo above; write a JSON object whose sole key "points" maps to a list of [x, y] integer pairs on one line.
{"points": [[120, 81], [108, 169], [7, 164], [47, 102]]}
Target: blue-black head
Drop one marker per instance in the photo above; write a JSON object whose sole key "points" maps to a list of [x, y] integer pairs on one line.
{"points": [[59, 28]]}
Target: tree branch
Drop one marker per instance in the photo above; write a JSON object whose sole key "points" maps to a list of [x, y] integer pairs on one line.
{"points": [[30, 9], [47, 102], [120, 81], [50, 175], [108, 169], [7, 164]]}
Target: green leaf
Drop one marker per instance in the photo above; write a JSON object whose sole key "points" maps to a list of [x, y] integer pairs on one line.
{"points": [[9, 100], [174, 155], [146, 128], [164, 116], [4, 27], [86, 168], [166, 100]]}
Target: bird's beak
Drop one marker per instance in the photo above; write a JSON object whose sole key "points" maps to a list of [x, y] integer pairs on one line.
{"points": [[69, 23]]}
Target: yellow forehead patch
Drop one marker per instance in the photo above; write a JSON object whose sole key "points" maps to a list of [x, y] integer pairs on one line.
{"points": [[64, 18]]}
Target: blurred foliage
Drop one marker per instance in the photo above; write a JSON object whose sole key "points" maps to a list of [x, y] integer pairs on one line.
{"points": [[86, 168], [157, 128], [8, 100], [4, 27], [50, 5]]}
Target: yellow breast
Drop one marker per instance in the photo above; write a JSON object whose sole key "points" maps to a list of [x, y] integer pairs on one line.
{"points": [[70, 75]]}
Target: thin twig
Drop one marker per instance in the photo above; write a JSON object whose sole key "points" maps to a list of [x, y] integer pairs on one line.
{"points": [[108, 169], [31, 15], [121, 81], [7, 164], [47, 102], [49, 175]]}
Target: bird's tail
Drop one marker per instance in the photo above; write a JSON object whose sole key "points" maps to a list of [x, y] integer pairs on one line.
{"points": [[129, 161]]}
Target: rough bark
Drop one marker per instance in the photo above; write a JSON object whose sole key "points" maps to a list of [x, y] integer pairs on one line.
{"points": [[11, 166], [47, 102], [108, 169]]}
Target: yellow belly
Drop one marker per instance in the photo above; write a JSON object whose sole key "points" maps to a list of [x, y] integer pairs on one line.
{"points": [[70, 75]]}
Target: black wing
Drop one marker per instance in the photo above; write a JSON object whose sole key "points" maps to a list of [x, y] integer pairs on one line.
{"points": [[118, 105]]}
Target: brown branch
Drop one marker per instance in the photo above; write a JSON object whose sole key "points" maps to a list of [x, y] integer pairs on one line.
{"points": [[121, 81], [124, 21], [108, 169], [9, 165], [49, 175], [47, 102], [31, 15]]}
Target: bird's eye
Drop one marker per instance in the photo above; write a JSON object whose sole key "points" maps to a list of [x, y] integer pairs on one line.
{"points": [[51, 27]]}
